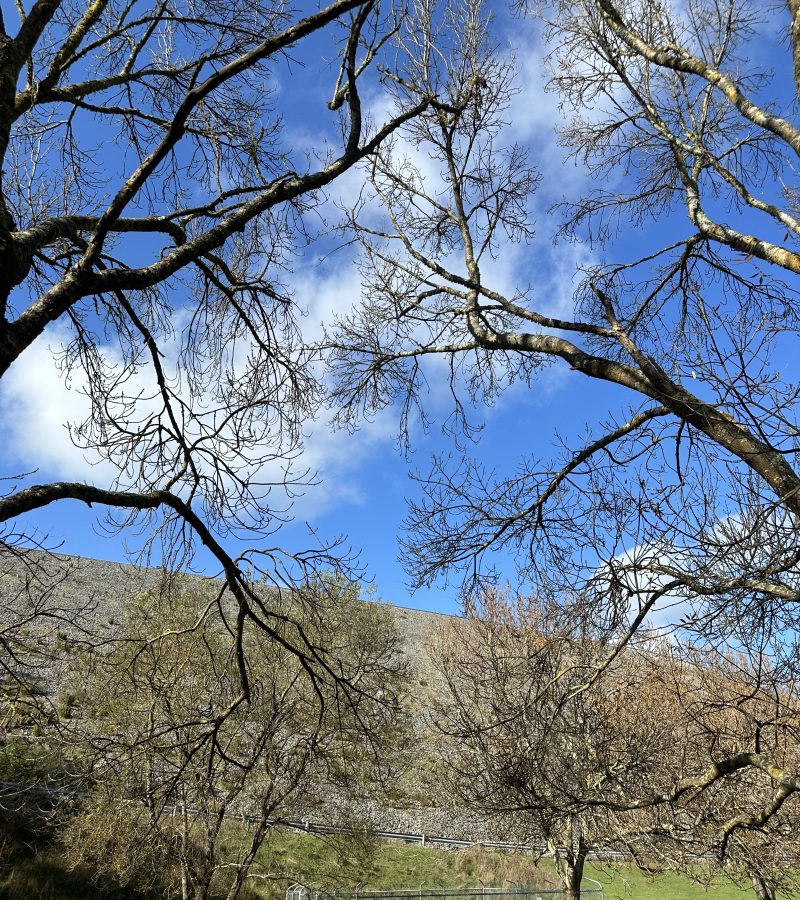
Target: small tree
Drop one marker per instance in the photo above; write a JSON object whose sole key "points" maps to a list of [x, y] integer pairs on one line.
{"points": [[534, 739], [176, 777], [733, 766], [670, 752]]}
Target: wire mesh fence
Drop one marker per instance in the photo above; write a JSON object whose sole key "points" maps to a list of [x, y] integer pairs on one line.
{"points": [[591, 890]]}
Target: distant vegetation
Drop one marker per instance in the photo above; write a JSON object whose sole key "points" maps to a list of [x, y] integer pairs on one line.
{"points": [[127, 771], [136, 793]]}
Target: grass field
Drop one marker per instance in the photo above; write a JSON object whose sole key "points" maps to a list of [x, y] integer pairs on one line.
{"points": [[378, 865], [404, 866], [623, 882]]}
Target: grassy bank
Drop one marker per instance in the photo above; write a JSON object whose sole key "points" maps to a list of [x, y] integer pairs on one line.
{"points": [[405, 866], [338, 862]]}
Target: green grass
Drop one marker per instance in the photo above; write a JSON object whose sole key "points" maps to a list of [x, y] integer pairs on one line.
{"points": [[343, 862], [382, 865], [45, 877], [623, 882], [404, 866]]}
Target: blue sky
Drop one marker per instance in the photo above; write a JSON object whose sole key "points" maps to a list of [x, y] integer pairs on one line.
{"points": [[364, 478], [368, 481]]}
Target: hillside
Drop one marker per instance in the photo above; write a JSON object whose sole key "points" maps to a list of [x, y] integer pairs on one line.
{"points": [[71, 594], [99, 590]]}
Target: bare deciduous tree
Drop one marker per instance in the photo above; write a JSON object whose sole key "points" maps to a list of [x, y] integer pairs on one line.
{"points": [[727, 806], [687, 494], [171, 781], [148, 209], [647, 759], [534, 740]]}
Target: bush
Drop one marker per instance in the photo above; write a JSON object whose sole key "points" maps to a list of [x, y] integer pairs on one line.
{"points": [[32, 801], [118, 844]]}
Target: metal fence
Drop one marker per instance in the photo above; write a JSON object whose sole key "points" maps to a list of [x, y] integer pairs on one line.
{"points": [[593, 891], [433, 840], [409, 838]]}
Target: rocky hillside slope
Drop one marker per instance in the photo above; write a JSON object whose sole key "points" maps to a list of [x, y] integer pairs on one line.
{"points": [[70, 593]]}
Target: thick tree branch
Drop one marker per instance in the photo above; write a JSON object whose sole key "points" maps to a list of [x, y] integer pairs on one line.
{"points": [[78, 282], [680, 60]]}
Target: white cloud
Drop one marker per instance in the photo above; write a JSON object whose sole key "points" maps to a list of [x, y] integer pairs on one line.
{"points": [[534, 115], [338, 456], [36, 406], [326, 291]]}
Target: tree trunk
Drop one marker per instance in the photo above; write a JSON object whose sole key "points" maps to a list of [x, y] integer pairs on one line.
{"points": [[764, 890], [570, 864], [243, 871], [572, 884], [184, 884]]}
